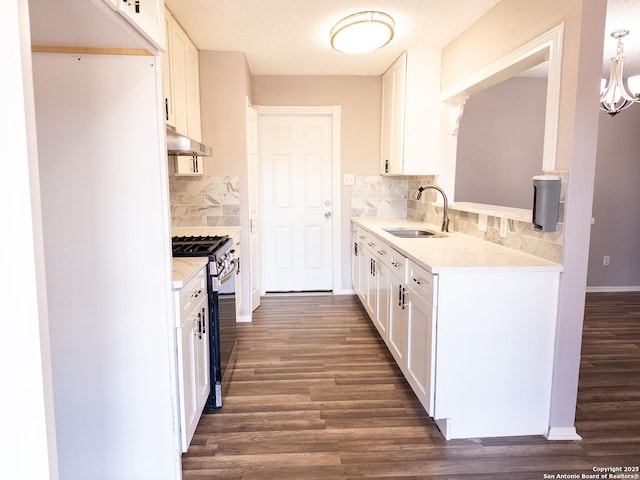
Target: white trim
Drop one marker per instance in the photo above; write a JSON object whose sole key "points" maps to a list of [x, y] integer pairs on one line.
{"points": [[335, 111], [547, 46], [345, 291], [631, 288], [562, 433]]}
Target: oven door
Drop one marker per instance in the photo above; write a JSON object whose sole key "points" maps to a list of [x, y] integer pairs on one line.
{"points": [[223, 328]]}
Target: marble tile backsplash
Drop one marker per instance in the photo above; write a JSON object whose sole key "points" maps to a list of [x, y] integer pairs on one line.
{"points": [[372, 196], [378, 196], [204, 201]]}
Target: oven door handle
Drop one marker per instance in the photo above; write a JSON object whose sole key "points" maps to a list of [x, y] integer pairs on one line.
{"points": [[230, 274]]}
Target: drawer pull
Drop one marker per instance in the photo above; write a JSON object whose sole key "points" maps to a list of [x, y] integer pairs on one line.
{"points": [[396, 264], [419, 281], [381, 252]]}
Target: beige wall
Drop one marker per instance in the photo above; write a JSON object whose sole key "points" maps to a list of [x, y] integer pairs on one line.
{"points": [[359, 98], [510, 24], [360, 101], [225, 83]]}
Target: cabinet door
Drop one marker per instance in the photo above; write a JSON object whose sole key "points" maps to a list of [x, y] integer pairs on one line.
{"points": [[192, 94], [179, 41], [201, 357], [381, 318], [186, 165], [393, 118], [356, 251], [397, 341], [420, 361], [372, 288], [187, 381], [387, 123], [147, 17], [167, 85]]}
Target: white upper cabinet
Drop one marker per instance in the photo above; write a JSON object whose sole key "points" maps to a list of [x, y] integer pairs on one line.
{"points": [[411, 115], [167, 85], [103, 26], [181, 81], [147, 16]]}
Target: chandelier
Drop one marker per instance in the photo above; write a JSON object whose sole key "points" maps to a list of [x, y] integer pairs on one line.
{"points": [[616, 95], [362, 32]]}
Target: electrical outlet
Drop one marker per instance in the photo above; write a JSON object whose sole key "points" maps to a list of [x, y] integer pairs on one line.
{"points": [[606, 260], [503, 227], [349, 179], [482, 223]]}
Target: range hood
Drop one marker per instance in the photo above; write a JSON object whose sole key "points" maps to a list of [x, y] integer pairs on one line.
{"points": [[184, 146]]}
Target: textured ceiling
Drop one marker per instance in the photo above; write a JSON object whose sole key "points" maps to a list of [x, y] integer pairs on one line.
{"points": [[623, 14], [291, 37]]}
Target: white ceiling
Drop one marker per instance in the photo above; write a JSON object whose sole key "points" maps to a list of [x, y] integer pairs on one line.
{"points": [[291, 37], [623, 14]]}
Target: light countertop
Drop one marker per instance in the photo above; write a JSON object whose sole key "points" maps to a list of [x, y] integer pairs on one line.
{"points": [[454, 252], [185, 268]]}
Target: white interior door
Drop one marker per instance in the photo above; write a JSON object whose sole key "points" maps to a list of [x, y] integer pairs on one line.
{"points": [[297, 208]]}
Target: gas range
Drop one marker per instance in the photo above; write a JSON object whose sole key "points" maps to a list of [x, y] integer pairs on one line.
{"points": [[200, 246], [222, 269]]}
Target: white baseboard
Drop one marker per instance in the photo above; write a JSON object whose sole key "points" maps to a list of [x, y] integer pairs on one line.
{"points": [[613, 289], [243, 319], [346, 291], [562, 433]]}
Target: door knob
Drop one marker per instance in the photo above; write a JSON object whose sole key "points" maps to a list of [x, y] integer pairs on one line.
{"points": [[327, 214]]}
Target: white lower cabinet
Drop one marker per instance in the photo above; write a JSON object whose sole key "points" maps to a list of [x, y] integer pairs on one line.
{"points": [[475, 345], [420, 317], [192, 337], [397, 339]]}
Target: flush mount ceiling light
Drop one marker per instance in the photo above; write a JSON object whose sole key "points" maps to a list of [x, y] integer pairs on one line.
{"points": [[362, 32], [618, 94]]}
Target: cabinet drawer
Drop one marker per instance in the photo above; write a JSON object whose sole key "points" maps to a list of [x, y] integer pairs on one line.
{"points": [[422, 282], [371, 242], [397, 263], [381, 251], [192, 293]]}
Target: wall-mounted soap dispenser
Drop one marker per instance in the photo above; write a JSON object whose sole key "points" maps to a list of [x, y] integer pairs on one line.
{"points": [[546, 202]]}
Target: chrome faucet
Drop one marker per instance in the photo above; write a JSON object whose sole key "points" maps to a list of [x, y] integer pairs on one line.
{"points": [[445, 215]]}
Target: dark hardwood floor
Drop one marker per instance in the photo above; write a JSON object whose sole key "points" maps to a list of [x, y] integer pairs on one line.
{"points": [[316, 395]]}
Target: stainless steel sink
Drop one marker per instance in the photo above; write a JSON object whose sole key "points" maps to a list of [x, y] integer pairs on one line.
{"points": [[412, 233]]}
